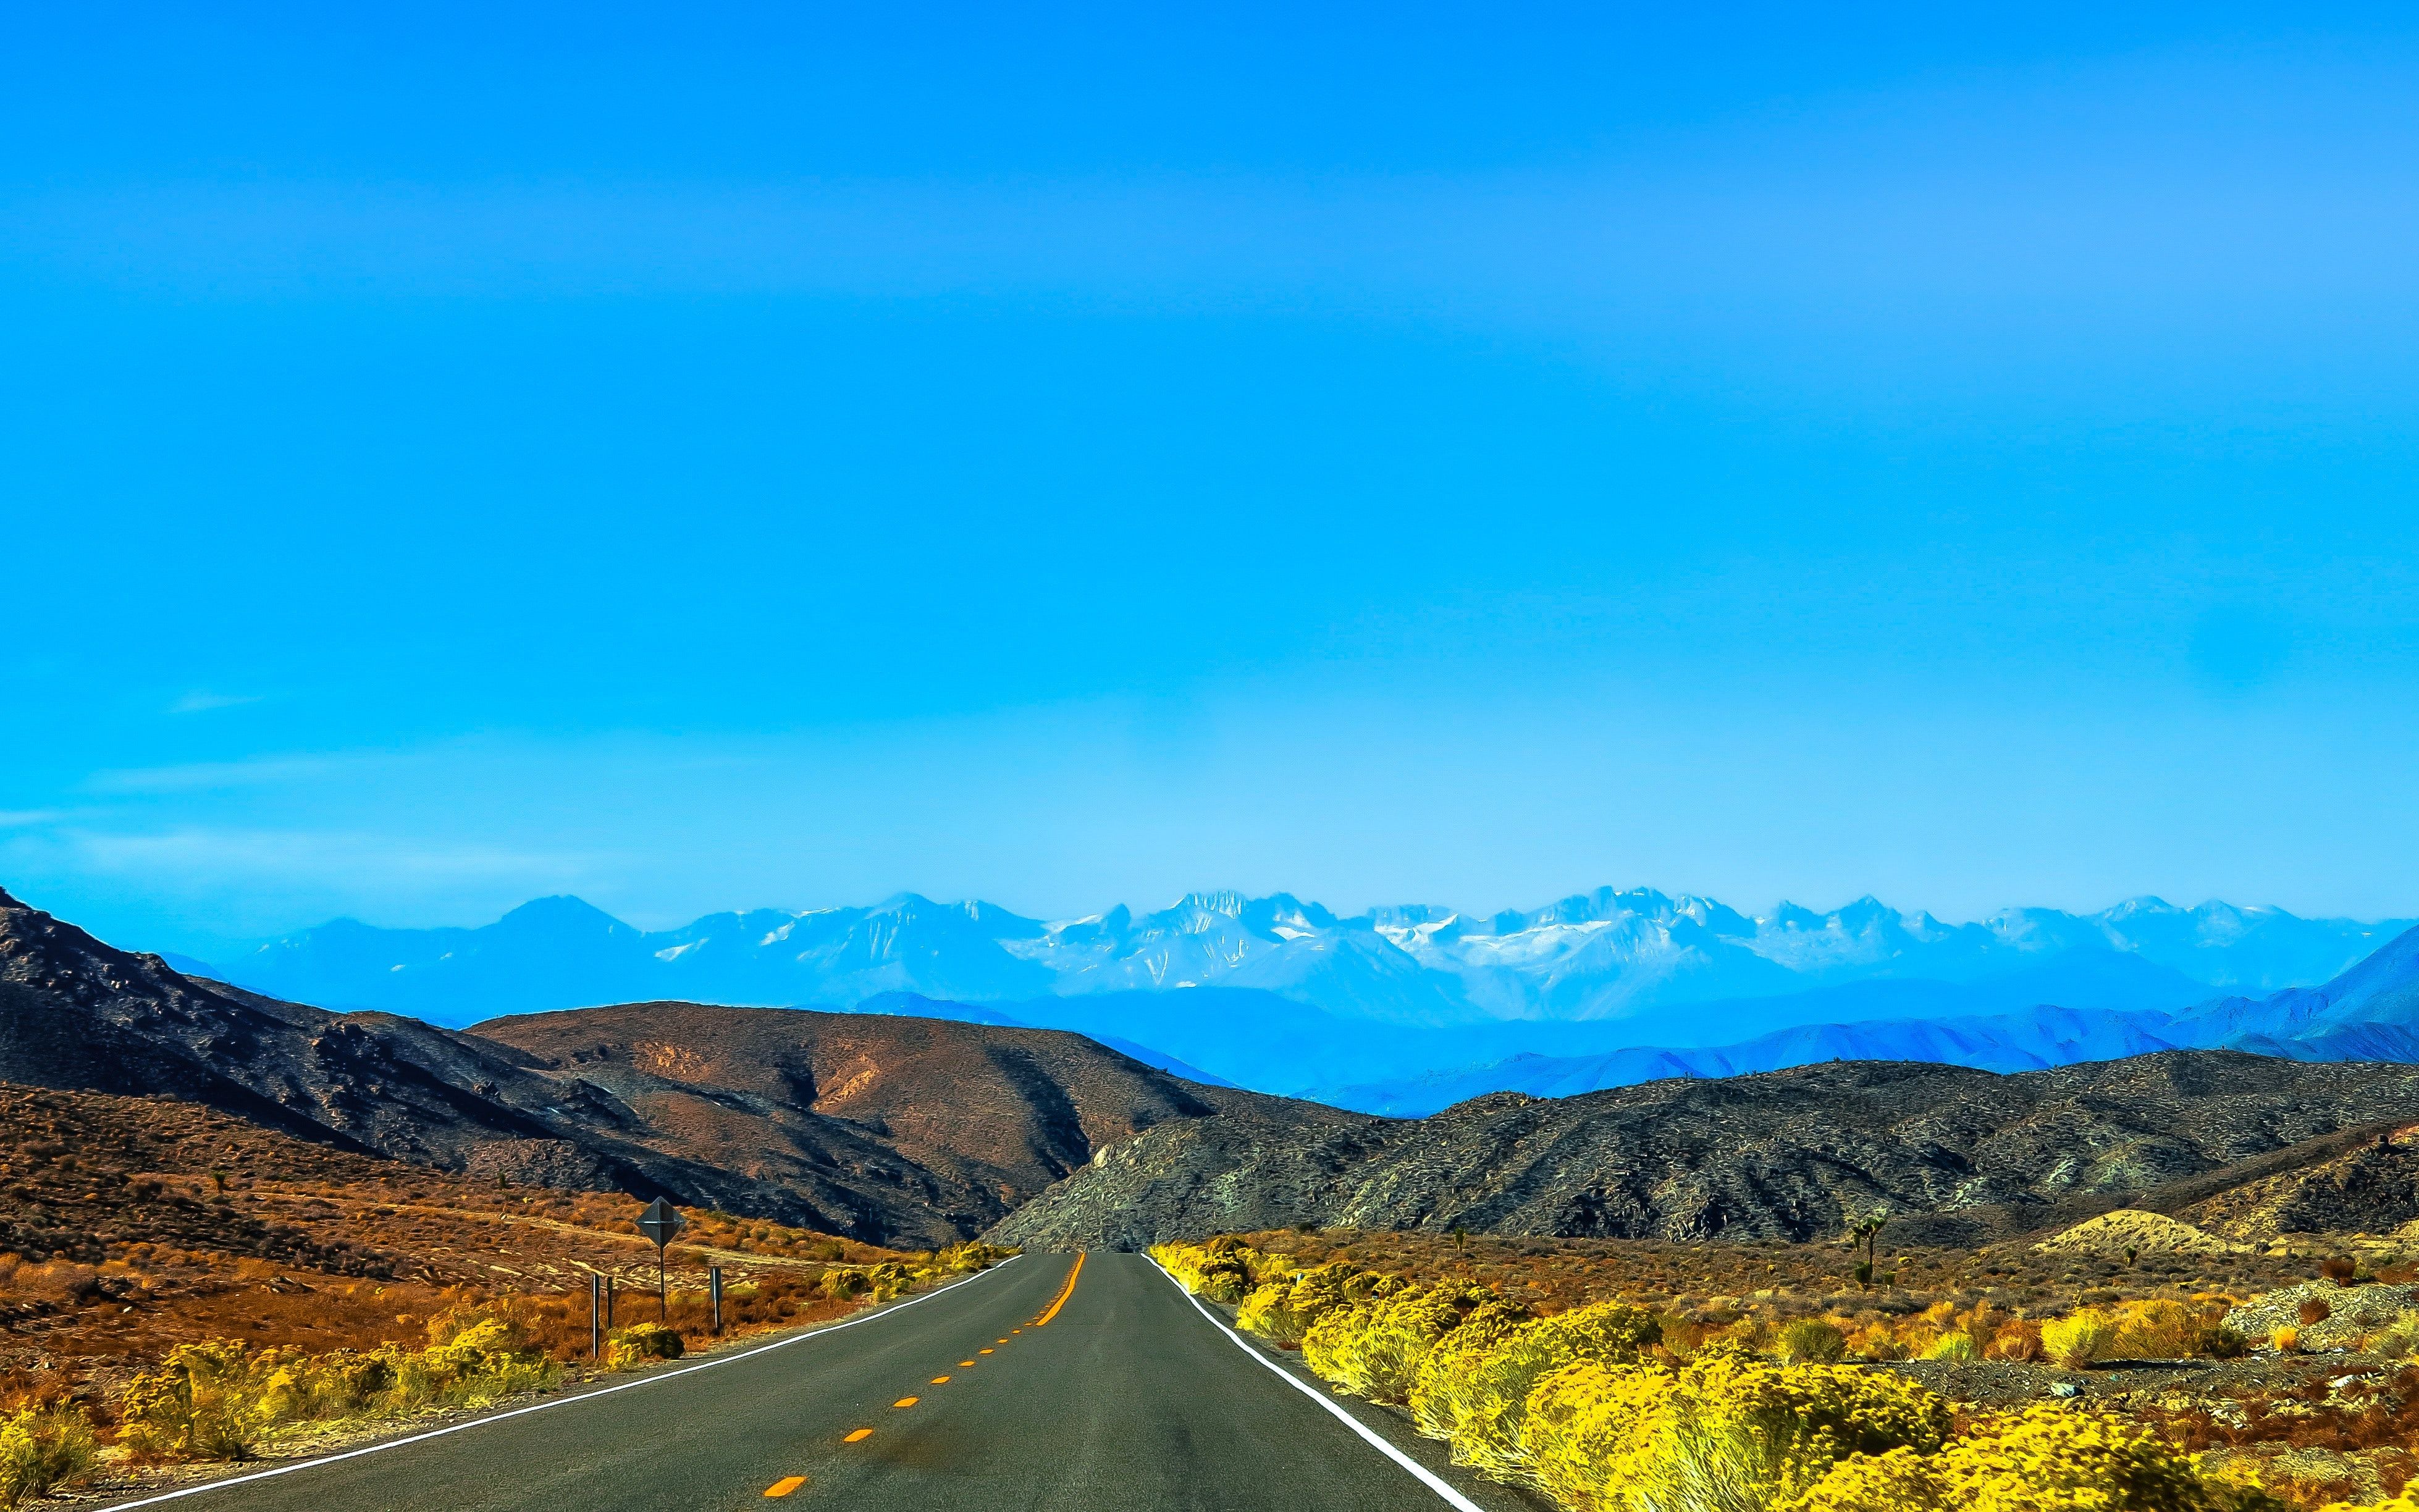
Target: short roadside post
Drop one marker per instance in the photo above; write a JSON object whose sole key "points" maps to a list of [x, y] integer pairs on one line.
{"points": [[714, 1290], [596, 1316], [660, 1222]]}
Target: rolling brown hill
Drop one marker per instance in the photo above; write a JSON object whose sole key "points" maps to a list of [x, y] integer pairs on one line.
{"points": [[903, 1131], [1783, 1155], [859, 1112]]}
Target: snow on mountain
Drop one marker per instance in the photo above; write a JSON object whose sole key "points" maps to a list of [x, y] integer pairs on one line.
{"points": [[1608, 957], [2367, 1011]]}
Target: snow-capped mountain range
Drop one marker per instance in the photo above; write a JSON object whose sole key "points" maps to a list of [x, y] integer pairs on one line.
{"points": [[1607, 959], [2370, 1011]]}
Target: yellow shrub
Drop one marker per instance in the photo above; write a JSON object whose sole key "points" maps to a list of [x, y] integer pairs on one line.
{"points": [[1877, 1341], [1812, 1415], [642, 1341], [2056, 1459], [2157, 1330], [1472, 1391], [2077, 1340], [2407, 1502], [1901, 1480], [1588, 1427], [1285, 1309], [1950, 1346], [974, 1254], [42, 1449], [2047, 1460], [1373, 1348], [198, 1404], [2287, 1339], [1728, 1431], [1220, 1268], [216, 1400]]}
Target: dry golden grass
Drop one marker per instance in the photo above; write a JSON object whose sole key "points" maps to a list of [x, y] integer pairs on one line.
{"points": [[134, 1225]]}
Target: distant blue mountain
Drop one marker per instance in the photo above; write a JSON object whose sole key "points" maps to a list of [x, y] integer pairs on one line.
{"points": [[1639, 955], [1282, 994], [2369, 1013]]}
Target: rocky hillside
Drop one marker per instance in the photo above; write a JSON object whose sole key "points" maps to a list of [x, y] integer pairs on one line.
{"points": [[1781, 1155], [897, 1130], [2373, 1188]]}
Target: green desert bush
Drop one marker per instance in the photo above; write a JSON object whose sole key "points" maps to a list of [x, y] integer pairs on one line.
{"points": [[1813, 1341]]}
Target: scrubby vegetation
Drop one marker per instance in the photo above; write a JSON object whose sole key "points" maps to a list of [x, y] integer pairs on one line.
{"points": [[217, 1400], [1621, 1405], [178, 1286], [42, 1447]]}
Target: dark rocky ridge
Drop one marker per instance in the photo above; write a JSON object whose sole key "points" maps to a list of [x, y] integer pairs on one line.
{"points": [[902, 1131], [1783, 1155]]}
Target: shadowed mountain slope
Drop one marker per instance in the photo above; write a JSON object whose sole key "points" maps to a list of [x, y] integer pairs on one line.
{"points": [[1785, 1153]]}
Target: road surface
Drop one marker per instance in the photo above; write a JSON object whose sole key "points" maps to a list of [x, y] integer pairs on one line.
{"points": [[1056, 1381]]}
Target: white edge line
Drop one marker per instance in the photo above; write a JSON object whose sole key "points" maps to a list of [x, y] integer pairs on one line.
{"points": [[1428, 1478], [574, 1400]]}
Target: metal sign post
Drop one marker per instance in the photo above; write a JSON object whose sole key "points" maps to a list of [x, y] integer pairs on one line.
{"points": [[596, 1316], [660, 1222], [714, 1290]]}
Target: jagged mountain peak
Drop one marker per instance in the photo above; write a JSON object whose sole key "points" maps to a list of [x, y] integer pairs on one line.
{"points": [[560, 910], [1605, 954]]}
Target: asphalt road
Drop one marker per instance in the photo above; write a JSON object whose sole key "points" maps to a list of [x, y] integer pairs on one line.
{"points": [[1128, 1397]]}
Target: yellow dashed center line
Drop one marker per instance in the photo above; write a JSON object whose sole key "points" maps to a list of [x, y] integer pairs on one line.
{"points": [[982, 1351], [784, 1487], [1064, 1292], [965, 1365], [858, 1437], [940, 1380], [907, 1401]]}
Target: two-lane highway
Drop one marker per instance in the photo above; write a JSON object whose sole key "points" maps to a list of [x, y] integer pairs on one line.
{"points": [[1056, 1381]]}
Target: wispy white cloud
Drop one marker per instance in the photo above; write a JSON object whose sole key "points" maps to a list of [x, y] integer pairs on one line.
{"points": [[201, 701], [206, 777]]}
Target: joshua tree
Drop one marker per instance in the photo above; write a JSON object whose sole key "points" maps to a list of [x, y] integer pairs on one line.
{"points": [[1866, 1232]]}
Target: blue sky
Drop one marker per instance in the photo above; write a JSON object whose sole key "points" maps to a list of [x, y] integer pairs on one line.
{"points": [[785, 456]]}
